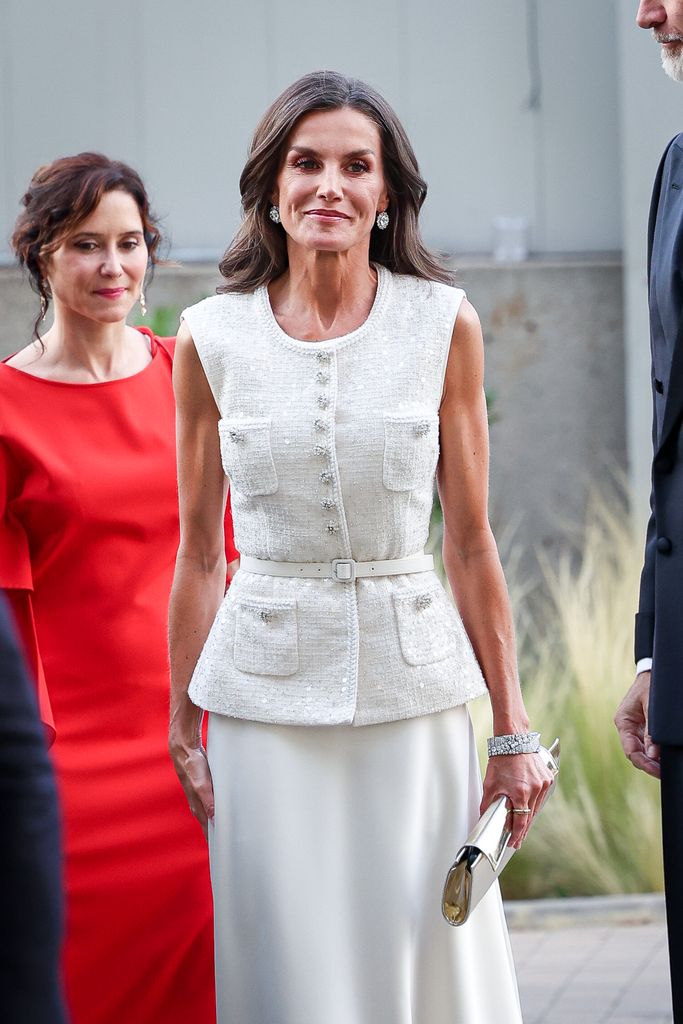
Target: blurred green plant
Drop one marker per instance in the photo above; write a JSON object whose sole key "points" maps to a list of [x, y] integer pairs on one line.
{"points": [[163, 321], [491, 403], [600, 832]]}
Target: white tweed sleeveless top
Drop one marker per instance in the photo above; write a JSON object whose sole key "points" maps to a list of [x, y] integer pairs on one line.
{"points": [[331, 450]]}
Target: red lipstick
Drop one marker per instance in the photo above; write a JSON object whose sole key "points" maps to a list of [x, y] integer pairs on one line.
{"points": [[327, 214]]}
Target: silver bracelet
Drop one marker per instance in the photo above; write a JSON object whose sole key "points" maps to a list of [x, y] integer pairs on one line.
{"points": [[514, 743]]}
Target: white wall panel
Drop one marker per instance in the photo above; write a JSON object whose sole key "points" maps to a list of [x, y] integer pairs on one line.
{"points": [[202, 96], [464, 110], [578, 143], [361, 38], [73, 74], [8, 200], [176, 88]]}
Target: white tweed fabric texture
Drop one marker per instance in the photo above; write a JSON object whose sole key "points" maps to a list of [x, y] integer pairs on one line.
{"points": [[331, 450]]}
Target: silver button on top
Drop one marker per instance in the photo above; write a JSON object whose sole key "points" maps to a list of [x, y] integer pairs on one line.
{"points": [[323, 401]]}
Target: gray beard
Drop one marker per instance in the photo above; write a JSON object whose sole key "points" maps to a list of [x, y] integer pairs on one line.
{"points": [[673, 64]]}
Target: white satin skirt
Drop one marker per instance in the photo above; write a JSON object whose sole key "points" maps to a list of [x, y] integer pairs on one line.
{"points": [[329, 850]]}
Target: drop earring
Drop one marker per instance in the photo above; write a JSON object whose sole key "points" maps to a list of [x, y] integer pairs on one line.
{"points": [[43, 308], [383, 220], [143, 304], [274, 214]]}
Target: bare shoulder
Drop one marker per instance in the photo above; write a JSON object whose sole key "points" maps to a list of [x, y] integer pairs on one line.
{"points": [[465, 367], [184, 339], [191, 387], [186, 358], [467, 328]]}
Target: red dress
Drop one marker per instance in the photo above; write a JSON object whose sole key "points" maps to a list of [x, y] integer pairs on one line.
{"points": [[88, 537]]}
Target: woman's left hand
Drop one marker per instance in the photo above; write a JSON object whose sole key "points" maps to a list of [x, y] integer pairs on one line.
{"points": [[525, 781]]}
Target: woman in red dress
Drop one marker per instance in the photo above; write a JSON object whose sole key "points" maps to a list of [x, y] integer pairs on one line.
{"points": [[88, 537]]}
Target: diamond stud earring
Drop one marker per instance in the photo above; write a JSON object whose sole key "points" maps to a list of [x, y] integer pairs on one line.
{"points": [[274, 214], [383, 220]]}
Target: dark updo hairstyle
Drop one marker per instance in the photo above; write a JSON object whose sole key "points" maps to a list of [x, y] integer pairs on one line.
{"points": [[60, 196], [258, 253]]}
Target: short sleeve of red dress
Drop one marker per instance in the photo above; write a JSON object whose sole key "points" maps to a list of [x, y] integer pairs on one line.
{"points": [[16, 576]]}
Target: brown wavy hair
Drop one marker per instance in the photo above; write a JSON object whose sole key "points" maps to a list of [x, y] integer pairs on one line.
{"points": [[60, 196], [258, 253]]}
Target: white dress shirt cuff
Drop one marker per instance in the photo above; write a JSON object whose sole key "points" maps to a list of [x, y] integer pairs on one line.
{"points": [[644, 665]]}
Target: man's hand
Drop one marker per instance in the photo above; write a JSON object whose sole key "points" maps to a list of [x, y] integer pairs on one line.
{"points": [[631, 723]]}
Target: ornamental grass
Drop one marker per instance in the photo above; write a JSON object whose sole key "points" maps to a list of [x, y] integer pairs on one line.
{"points": [[600, 832]]}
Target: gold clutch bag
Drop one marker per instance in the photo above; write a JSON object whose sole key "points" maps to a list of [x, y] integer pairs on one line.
{"points": [[485, 853]]}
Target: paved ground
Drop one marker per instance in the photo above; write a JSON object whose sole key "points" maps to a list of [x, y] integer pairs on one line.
{"points": [[614, 973]]}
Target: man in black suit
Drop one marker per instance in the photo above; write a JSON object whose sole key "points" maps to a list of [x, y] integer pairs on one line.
{"points": [[650, 718], [30, 862]]}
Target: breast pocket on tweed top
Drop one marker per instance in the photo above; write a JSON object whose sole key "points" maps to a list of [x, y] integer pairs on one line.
{"points": [[266, 640], [247, 456], [429, 628], [411, 450]]}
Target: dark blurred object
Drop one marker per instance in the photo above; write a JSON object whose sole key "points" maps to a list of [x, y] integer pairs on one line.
{"points": [[30, 857]]}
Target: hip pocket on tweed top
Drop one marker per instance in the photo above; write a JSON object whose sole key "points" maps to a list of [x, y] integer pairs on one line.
{"points": [[411, 450], [266, 637], [247, 455], [429, 627]]}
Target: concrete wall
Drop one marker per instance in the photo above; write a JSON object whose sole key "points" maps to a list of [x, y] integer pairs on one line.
{"points": [[511, 106], [555, 368]]}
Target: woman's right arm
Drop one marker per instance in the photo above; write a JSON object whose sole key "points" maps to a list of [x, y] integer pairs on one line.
{"points": [[199, 580]]}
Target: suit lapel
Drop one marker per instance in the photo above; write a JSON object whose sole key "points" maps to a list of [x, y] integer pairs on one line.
{"points": [[674, 397], [654, 206]]}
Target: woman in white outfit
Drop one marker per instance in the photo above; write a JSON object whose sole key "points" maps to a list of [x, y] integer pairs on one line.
{"points": [[334, 376]]}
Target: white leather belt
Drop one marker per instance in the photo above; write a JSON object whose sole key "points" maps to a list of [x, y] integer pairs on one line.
{"points": [[343, 570]]}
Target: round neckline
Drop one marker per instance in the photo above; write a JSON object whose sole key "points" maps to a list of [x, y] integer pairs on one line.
{"points": [[154, 345], [383, 282]]}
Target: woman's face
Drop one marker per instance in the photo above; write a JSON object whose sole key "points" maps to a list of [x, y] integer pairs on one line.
{"points": [[98, 270], [331, 185]]}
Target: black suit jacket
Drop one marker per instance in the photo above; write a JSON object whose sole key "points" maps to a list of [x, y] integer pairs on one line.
{"points": [[659, 622], [30, 861]]}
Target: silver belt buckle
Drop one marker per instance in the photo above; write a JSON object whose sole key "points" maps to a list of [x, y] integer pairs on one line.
{"points": [[343, 570]]}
